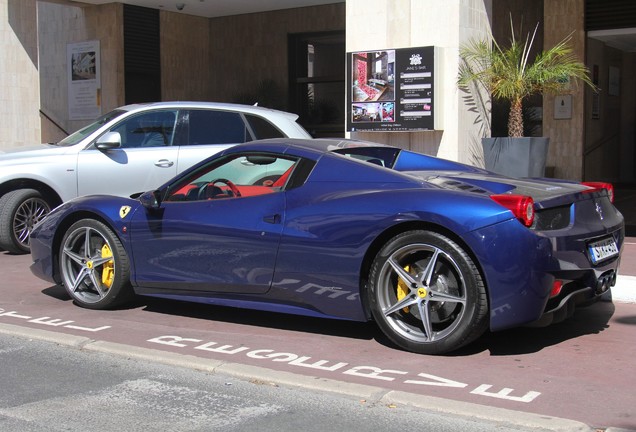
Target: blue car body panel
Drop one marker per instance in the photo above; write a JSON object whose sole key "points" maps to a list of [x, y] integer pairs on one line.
{"points": [[304, 250], [207, 245]]}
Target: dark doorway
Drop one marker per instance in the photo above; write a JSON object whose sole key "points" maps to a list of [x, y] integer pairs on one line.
{"points": [[317, 81], [610, 134]]}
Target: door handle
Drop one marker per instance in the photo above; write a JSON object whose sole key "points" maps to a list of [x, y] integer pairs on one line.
{"points": [[164, 163], [272, 219]]}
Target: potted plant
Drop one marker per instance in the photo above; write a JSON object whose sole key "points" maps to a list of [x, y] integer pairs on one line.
{"points": [[508, 74]]}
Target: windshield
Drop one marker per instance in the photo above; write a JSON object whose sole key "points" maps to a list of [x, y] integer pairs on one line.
{"points": [[76, 137]]}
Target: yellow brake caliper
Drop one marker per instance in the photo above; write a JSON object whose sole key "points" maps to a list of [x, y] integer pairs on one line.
{"points": [[403, 289], [108, 272]]}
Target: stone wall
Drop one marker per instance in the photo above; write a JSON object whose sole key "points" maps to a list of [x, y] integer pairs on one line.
{"points": [[185, 57], [562, 17], [248, 49], [19, 82], [59, 25]]}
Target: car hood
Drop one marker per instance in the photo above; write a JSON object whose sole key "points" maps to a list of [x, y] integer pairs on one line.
{"points": [[545, 192], [13, 155]]}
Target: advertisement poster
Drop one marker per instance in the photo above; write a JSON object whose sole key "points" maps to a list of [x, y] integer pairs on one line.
{"points": [[84, 83], [391, 90]]}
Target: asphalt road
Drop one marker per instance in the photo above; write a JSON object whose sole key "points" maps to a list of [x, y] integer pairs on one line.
{"points": [[49, 388], [580, 370]]}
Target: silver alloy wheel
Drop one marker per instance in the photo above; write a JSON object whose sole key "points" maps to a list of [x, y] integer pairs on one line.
{"points": [[29, 213], [430, 301], [87, 264]]}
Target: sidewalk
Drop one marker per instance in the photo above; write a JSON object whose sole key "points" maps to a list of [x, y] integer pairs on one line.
{"points": [[625, 289], [625, 202]]}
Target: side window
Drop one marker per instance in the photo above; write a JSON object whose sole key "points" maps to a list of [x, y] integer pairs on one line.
{"points": [[241, 175], [150, 129], [383, 156], [215, 127], [262, 128]]}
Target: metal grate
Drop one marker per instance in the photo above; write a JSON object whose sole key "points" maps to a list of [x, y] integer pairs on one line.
{"points": [[609, 14], [142, 54]]}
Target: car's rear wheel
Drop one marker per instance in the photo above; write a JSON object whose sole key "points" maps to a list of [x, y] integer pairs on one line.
{"points": [[426, 294], [94, 266], [20, 210]]}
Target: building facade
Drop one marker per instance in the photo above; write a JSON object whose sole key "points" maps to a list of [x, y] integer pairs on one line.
{"points": [[295, 59]]}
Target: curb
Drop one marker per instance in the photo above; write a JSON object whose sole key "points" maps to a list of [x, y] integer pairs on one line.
{"points": [[624, 291], [259, 374]]}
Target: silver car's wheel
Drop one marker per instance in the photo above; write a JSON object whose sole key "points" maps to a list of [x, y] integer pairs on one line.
{"points": [[94, 266], [20, 210], [426, 294]]}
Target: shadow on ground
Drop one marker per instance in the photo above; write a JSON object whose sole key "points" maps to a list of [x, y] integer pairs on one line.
{"points": [[589, 320]]}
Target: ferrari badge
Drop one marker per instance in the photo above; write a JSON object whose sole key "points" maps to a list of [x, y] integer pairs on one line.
{"points": [[123, 211]]}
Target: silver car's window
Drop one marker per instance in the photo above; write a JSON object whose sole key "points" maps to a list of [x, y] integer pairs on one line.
{"points": [[215, 127], [262, 128], [79, 135], [148, 129]]}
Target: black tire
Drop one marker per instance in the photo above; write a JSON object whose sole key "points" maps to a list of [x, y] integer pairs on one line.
{"points": [[94, 266], [424, 308], [20, 210]]}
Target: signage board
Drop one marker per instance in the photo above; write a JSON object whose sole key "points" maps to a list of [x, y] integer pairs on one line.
{"points": [[391, 90], [84, 80]]}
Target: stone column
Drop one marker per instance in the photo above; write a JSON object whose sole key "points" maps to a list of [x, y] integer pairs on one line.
{"points": [[561, 18], [19, 81], [387, 24]]}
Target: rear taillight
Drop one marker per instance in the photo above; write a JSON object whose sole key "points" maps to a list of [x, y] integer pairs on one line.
{"points": [[557, 286], [521, 206], [597, 186]]}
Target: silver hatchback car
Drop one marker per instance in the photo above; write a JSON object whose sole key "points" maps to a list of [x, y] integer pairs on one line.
{"points": [[131, 149]]}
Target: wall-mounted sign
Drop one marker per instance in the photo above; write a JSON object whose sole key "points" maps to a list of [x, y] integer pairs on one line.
{"points": [[563, 107], [84, 80], [391, 90]]}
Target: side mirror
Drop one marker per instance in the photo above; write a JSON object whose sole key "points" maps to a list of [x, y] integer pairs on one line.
{"points": [[108, 141], [151, 200]]}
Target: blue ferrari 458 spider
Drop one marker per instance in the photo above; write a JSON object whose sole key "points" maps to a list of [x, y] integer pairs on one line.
{"points": [[435, 252]]}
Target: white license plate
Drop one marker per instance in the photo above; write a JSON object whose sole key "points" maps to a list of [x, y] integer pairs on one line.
{"points": [[602, 249]]}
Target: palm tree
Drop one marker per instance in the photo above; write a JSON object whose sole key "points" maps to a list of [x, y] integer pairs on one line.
{"points": [[507, 74]]}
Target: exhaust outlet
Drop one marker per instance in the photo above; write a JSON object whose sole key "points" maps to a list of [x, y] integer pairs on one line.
{"points": [[605, 282]]}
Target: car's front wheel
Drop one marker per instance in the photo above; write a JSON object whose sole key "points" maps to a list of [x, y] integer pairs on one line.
{"points": [[426, 294], [20, 210], [94, 266]]}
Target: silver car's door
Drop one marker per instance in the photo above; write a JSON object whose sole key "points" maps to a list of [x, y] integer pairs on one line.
{"points": [[145, 160]]}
